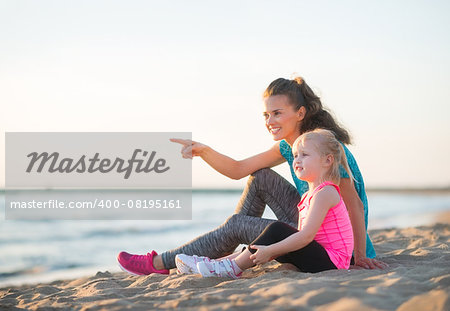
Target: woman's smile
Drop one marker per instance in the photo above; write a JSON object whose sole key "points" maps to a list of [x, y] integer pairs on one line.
{"points": [[274, 130]]}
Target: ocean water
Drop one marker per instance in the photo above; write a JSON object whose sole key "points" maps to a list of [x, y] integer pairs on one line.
{"points": [[42, 251]]}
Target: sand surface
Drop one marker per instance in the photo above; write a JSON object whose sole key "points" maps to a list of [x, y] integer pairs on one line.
{"points": [[418, 279]]}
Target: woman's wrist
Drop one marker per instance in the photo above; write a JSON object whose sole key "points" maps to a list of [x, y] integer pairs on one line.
{"points": [[204, 150]]}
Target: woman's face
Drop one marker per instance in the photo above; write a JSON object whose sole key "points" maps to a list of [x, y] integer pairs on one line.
{"points": [[282, 120]]}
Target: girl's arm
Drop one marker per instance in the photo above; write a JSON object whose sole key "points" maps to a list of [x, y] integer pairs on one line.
{"points": [[227, 166], [356, 212], [322, 201]]}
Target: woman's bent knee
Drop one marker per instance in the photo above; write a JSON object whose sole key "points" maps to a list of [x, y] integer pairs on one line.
{"points": [[266, 179], [263, 172]]}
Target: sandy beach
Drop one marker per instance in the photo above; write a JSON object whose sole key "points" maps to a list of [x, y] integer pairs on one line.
{"points": [[418, 278]]}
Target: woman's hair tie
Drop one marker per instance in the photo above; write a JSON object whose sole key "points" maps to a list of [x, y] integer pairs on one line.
{"points": [[299, 80]]}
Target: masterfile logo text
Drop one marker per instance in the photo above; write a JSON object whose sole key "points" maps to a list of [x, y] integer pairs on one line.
{"points": [[96, 160]]}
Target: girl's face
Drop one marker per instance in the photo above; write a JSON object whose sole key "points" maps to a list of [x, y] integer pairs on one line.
{"points": [[282, 121], [309, 165]]}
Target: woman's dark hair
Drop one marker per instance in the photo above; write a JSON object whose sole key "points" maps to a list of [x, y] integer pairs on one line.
{"points": [[301, 95]]}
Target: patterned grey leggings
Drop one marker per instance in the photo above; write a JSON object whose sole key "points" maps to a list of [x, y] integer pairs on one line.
{"points": [[263, 187]]}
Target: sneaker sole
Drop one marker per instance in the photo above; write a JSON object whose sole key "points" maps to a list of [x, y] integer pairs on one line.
{"points": [[125, 270]]}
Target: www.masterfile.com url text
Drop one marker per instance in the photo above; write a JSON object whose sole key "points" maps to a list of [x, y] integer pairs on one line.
{"points": [[97, 203]]}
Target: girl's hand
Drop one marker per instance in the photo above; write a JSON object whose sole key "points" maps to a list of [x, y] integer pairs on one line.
{"points": [[262, 254], [190, 148]]}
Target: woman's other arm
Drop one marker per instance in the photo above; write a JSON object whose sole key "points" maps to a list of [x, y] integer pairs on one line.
{"points": [[356, 212]]}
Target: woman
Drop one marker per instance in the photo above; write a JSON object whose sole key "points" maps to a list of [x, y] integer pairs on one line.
{"points": [[290, 109]]}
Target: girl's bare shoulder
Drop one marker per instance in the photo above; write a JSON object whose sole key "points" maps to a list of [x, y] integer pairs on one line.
{"points": [[328, 195]]}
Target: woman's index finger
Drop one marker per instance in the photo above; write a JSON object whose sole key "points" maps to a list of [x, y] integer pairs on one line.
{"points": [[184, 142]]}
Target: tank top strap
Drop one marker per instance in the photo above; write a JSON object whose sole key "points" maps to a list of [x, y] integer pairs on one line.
{"points": [[319, 187]]}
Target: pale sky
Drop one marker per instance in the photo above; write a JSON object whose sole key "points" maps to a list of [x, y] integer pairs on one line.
{"points": [[382, 67]]}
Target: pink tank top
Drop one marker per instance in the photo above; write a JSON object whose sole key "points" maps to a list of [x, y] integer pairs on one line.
{"points": [[335, 233]]}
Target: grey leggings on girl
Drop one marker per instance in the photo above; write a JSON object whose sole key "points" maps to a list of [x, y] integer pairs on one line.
{"points": [[263, 187]]}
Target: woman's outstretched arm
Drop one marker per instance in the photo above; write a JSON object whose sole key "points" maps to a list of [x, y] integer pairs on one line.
{"points": [[227, 166]]}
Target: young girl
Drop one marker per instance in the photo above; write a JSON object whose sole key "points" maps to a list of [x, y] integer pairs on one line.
{"points": [[324, 239]]}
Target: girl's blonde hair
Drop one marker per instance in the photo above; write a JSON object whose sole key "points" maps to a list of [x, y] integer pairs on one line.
{"points": [[327, 144]]}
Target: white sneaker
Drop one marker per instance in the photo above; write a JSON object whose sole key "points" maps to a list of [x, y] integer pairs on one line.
{"points": [[188, 264], [218, 268]]}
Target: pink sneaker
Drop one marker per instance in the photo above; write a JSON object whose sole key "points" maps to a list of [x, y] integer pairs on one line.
{"points": [[139, 264]]}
